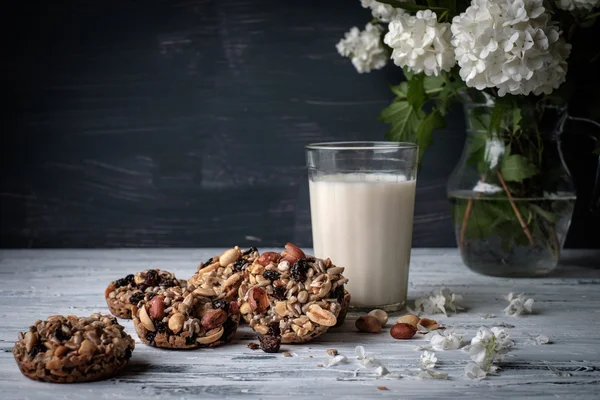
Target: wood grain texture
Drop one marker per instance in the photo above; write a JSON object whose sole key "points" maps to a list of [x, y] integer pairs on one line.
{"points": [[183, 123], [37, 283]]}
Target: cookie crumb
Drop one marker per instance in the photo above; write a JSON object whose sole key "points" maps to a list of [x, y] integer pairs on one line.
{"points": [[253, 346], [332, 352], [320, 365], [382, 388], [286, 354]]}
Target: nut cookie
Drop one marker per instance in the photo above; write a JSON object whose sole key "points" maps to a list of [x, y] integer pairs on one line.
{"points": [[345, 302], [220, 277], [304, 294], [126, 292], [73, 349], [177, 318]]}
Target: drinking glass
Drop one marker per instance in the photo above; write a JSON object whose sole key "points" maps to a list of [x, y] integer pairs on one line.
{"points": [[362, 197]]}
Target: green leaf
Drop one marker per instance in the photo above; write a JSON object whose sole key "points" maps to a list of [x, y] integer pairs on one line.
{"points": [[410, 6], [425, 130], [404, 120], [416, 92], [478, 119], [547, 215], [516, 168], [401, 90], [476, 147], [408, 73], [497, 117], [516, 119], [433, 82]]}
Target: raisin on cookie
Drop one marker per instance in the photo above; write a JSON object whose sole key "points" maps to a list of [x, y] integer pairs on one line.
{"points": [[177, 318], [302, 293], [220, 277], [121, 295], [73, 349]]}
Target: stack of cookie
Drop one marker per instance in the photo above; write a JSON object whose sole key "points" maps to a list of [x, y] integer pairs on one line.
{"points": [[286, 297]]}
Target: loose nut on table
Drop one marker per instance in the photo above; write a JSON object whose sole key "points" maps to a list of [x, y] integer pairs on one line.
{"points": [[408, 319], [380, 315], [368, 323], [429, 324], [403, 331]]}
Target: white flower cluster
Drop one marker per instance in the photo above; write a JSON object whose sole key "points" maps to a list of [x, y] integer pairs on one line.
{"points": [[509, 45], [579, 4], [383, 12], [488, 346], [438, 301], [518, 304], [364, 48], [421, 43]]}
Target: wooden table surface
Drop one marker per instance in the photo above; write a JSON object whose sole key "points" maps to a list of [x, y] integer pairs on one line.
{"points": [[37, 283]]}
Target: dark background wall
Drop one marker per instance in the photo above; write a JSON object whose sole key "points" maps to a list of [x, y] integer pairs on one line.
{"points": [[182, 123]]}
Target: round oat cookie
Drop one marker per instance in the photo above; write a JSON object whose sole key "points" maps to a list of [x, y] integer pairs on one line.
{"points": [[126, 292], [73, 349], [303, 293], [220, 277], [177, 318]]}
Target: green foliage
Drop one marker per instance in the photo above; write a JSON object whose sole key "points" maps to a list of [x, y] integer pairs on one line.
{"points": [[416, 92], [408, 120], [516, 168], [404, 121], [425, 130]]}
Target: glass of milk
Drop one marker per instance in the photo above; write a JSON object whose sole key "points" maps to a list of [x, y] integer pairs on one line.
{"points": [[362, 197]]}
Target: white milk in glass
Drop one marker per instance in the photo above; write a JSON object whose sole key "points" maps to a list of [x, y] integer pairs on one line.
{"points": [[363, 222]]}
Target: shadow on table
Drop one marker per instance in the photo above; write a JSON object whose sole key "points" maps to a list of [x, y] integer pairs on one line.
{"points": [[578, 264]]}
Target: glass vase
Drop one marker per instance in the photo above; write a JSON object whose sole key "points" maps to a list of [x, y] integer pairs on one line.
{"points": [[511, 194]]}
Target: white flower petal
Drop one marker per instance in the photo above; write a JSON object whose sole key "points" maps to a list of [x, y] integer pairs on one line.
{"points": [[474, 371], [571, 5], [360, 352], [478, 353], [427, 374], [438, 301], [519, 304], [540, 340], [369, 362], [448, 340], [428, 360], [335, 361]]}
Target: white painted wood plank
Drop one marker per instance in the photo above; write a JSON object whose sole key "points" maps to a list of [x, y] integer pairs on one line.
{"points": [[38, 283]]}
